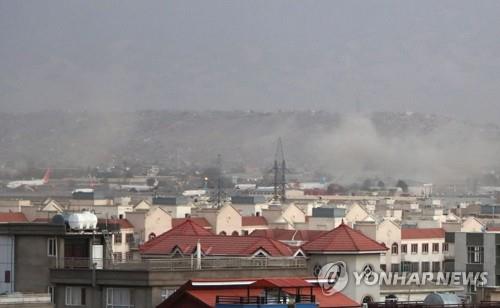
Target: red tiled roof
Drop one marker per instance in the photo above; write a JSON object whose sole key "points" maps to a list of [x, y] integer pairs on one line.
{"points": [[288, 235], [215, 245], [336, 300], [13, 217], [288, 282], [206, 296], [202, 221], [343, 239], [417, 233], [253, 221], [187, 227], [493, 229]]}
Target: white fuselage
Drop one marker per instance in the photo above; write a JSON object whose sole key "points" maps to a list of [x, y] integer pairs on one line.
{"points": [[140, 188], [194, 193], [29, 183]]}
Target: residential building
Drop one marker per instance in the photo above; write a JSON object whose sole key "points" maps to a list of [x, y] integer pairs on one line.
{"points": [[225, 220], [357, 251], [245, 292], [148, 224]]}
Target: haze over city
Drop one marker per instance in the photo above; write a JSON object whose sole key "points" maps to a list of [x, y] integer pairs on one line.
{"points": [[340, 56], [241, 154]]}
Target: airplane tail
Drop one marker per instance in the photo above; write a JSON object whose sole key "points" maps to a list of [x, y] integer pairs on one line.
{"points": [[46, 176], [156, 183]]}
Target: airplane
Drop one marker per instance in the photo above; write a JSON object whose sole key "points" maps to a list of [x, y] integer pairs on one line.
{"points": [[30, 183], [194, 193], [140, 188]]}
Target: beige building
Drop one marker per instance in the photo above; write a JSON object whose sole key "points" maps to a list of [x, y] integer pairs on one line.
{"points": [[149, 224], [225, 220]]}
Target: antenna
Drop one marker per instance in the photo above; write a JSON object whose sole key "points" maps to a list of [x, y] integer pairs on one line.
{"points": [[219, 181], [279, 173]]}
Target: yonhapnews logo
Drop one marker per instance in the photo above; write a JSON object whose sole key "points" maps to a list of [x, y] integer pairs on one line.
{"points": [[333, 278]]}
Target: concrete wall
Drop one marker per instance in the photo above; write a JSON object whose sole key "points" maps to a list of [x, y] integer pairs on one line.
{"points": [[155, 221], [95, 297], [32, 264], [389, 233], [490, 260], [7, 261], [294, 215], [177, 211], [228, 220]]}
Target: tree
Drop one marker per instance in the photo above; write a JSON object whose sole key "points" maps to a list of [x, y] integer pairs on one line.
{"points": [[335, 189], [402, 184], [367, 184], [381, 184]]}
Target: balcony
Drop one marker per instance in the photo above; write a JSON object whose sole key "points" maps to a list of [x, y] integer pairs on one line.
{"points": [[26, 300], [302, 301], [181, 264]]}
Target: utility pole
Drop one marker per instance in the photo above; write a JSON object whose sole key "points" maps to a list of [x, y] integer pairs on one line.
{"points": [[219, 181], [279, 170]]}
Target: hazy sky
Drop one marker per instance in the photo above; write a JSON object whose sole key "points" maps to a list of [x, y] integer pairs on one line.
{"points": [[429, 56]]}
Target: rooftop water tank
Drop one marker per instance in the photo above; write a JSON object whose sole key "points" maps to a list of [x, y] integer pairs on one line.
{"points": [[442, 299], [59, 219], [82, 221]]}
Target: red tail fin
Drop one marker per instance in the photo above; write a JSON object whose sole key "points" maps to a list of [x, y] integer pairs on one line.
{"points": [[47, 176]]}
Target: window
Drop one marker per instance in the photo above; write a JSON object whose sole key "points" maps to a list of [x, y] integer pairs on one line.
{"points": [[129, 237], [7, 277], [151, 236], [75, 296], [166, 292], [435, 247], [52, 291], [118, 238], [129, 256], [383, 267], [426, 267], [118, 298], [445, 247], [394, 249], [436, 267], [414, 267], [260, 254], [395, 268], [404, 248], [425, 248], [51, 247], [117, 256], [414, 248], [475, 254], [405, 266]]}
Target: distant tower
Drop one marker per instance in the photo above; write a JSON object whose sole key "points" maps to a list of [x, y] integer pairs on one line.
{"points": [[279, 170], [219, 181]]}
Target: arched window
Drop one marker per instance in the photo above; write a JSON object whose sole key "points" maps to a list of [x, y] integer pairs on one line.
{"points": [[222, 233], [367, 299], [395, 249], [235, 233], [151, 236]]}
